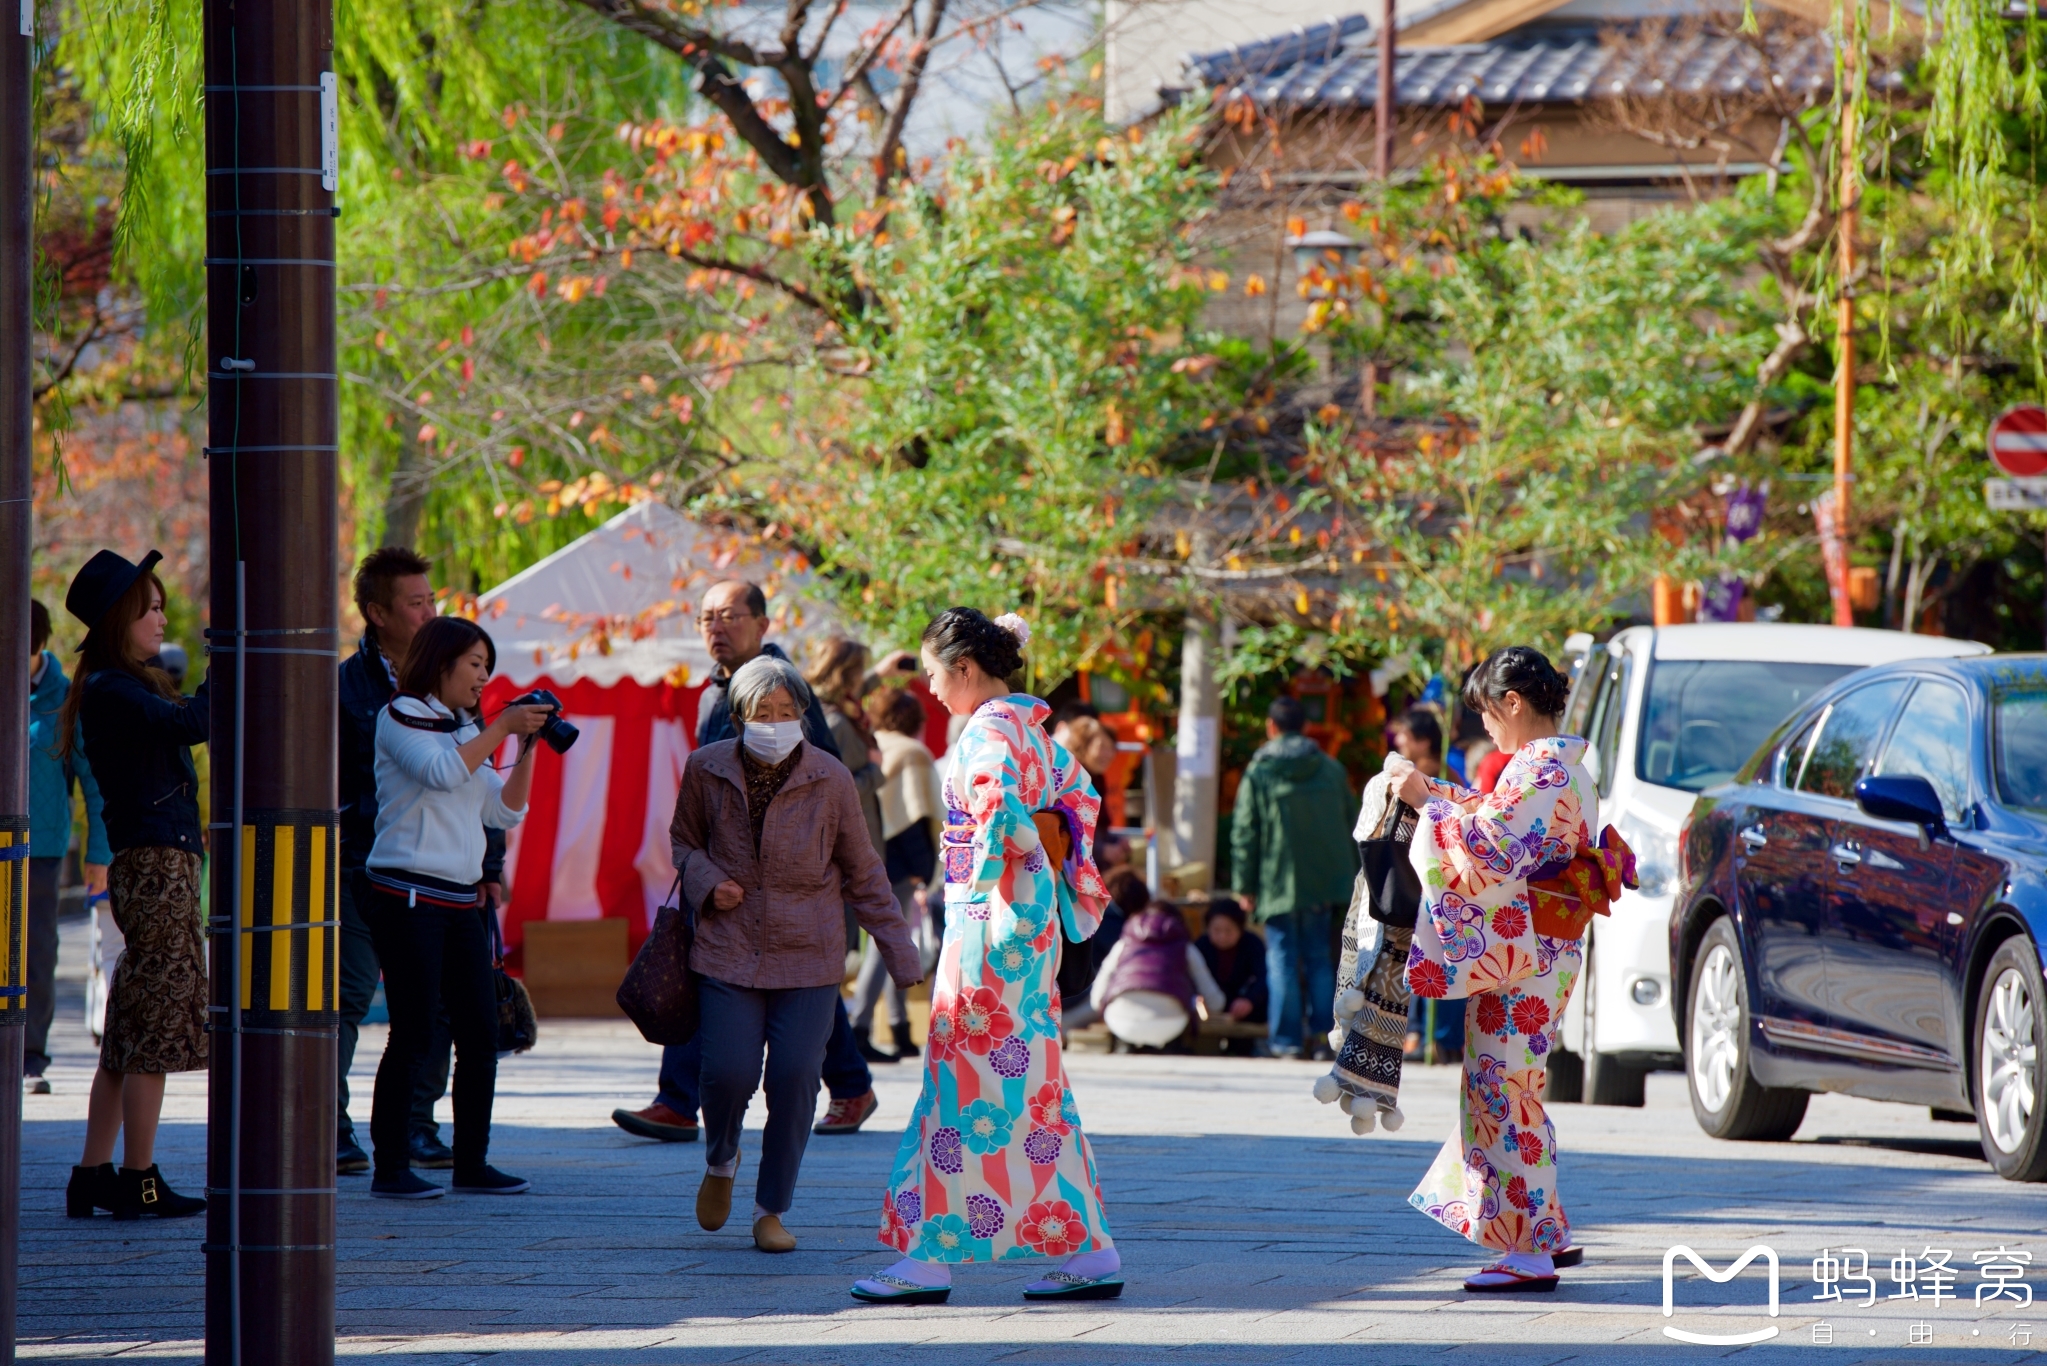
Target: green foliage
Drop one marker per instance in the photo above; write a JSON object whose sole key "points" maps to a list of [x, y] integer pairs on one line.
{"points": [[1568, 376], [997, 426]]}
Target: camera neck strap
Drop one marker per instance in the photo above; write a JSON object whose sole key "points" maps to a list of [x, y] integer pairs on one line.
{"points": [[443, 725]]}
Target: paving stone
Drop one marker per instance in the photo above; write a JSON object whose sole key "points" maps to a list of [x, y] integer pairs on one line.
{"points": [[1254, 1229]]}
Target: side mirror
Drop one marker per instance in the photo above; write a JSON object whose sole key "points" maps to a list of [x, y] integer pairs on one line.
{"points": [[1902, 797]]}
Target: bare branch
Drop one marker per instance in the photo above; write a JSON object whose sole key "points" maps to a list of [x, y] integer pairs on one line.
{"points": [[913, 77]]}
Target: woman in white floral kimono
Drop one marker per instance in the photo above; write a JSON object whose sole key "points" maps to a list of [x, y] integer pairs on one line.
{"points": [[994, 1165], [1482, 936]]}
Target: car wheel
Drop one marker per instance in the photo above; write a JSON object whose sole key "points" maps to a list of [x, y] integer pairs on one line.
{"points": [[1566, 1084], [1610, 1081], [1726, 1098], [2011, 1014]]}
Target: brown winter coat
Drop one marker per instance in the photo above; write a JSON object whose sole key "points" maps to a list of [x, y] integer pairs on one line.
{"points": [[816, 858]]}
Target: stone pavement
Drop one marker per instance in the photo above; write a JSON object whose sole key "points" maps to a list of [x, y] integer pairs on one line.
{"points": [[1253, 1227]]}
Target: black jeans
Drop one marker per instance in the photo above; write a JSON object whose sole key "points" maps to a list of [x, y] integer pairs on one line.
{"points": [[42, 961], [358, 987], [739, 1025], [434, 958]]}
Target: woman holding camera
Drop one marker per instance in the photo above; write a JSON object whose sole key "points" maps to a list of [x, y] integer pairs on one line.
{"points": [[772, 847], [436, 790], [138, 733]]}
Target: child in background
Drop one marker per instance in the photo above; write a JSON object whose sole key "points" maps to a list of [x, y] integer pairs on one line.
{"points": [[1236, 959]]}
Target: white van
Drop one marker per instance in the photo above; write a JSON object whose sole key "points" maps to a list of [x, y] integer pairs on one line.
{"points": [[1671, 711]]}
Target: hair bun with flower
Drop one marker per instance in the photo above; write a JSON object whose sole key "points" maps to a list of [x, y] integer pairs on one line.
{"points": [[1016, 626]]}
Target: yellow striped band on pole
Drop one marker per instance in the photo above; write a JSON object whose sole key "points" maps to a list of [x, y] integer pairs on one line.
{"points": [[290, 938], [14, 852]]}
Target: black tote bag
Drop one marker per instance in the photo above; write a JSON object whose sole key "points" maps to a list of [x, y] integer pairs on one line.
{"points": [[1391, 883]]}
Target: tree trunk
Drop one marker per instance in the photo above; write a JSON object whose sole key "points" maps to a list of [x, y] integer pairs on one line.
{"points": [[406, 499], [1891, 576]]}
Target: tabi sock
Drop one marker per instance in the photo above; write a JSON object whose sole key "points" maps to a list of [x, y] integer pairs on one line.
{"points": [[761, 1212], [1530, 1263], [1093, 1265], [930, 1275]]}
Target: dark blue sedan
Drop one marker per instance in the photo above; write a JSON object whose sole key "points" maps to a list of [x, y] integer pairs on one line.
{"points": [[1863, 909]]}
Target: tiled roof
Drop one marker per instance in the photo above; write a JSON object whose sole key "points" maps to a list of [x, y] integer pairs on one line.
{"points": [[1336, 64]]}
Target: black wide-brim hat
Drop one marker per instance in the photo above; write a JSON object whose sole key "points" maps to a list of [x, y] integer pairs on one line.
{"points": [[101, 583]]}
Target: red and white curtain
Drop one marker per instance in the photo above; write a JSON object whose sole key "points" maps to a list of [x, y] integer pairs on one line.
{"points": [[594, 843]]}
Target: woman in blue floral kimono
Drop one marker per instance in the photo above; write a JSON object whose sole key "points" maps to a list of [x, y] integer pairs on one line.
{"points": [[994, 1166], [1481, 936]]}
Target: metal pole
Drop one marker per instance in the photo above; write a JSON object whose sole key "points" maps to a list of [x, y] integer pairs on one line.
{"points": [[272, 410], [17, 256], [1382, 166], [1844, 319]]}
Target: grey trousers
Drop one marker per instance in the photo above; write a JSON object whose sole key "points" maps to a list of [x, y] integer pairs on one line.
{"points": [[738, 1025], [42, 962], [874, 985]]}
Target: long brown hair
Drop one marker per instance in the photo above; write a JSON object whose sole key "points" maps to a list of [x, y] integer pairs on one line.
{"points": [[106, 647]]}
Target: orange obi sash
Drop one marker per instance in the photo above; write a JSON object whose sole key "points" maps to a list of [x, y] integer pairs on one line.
{"points": [[1565, 904]]}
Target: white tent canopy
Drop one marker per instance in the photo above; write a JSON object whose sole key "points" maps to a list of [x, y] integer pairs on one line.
{"points": [[621, 601]]}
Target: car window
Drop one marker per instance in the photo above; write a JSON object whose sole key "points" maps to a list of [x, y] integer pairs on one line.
{"points": [[1587, 673], [1703, 718], [2022, 749], [1603, 726], [1932, 742], [1789, 759], [1848, 738]]}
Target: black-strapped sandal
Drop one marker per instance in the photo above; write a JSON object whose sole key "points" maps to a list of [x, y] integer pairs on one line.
{"points": [[899, 1291], [1071, 1287]]}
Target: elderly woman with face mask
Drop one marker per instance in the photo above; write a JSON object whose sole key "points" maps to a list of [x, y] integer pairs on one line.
{"points": [[771, 845]]}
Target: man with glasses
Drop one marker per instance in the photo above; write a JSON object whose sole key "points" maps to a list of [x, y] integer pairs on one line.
{"points": [[733, 622]]}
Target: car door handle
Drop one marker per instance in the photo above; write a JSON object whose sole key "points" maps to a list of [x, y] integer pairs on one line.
{"points": [[1754, 838], [1846, 855]]}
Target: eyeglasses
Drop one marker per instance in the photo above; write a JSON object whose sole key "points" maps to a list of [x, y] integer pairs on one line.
{"points": [[729, 617]]}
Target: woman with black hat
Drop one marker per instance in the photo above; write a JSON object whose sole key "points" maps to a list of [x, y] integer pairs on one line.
{"points": [[138, 733]]}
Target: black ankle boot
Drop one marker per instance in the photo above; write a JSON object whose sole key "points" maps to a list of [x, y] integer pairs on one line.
{"points": [[91, 1188], [146, 1192], [904, 1048]]}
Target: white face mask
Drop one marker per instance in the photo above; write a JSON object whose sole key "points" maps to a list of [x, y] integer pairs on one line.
{"points": [[773, 741]]}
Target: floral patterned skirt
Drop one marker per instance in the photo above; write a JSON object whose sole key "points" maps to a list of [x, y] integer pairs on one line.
{"points": [[994, 1165], [156, 1008]]}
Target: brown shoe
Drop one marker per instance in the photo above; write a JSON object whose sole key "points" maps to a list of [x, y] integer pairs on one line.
{"points": [[657, 1121], [714, 1202], [770, 1236], [846, 1116]]}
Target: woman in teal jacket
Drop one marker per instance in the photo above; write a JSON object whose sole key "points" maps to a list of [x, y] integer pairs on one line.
{"points": [[50, 777]]}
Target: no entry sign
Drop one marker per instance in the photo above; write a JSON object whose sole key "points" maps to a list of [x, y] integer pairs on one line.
{"points": [[2018, 441]]}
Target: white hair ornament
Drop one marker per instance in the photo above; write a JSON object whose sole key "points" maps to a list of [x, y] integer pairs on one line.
{"points": [[1016, 626]]}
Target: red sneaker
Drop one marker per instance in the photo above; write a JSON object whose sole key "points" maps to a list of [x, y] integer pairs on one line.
{"points": [[657, 1121], [846, 1116]]}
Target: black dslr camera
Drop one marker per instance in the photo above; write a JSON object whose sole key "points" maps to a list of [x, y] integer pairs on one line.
{"points": [[558, 733]]}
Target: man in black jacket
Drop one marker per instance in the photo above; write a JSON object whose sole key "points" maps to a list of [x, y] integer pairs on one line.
{"points": [[395, 598], [733, 620]]}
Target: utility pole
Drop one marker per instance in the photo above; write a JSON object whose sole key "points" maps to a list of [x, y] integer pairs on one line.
{"points": [[1844, 320], [1382, 167], [1382, 164], [273, 418], [17, 524]]}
